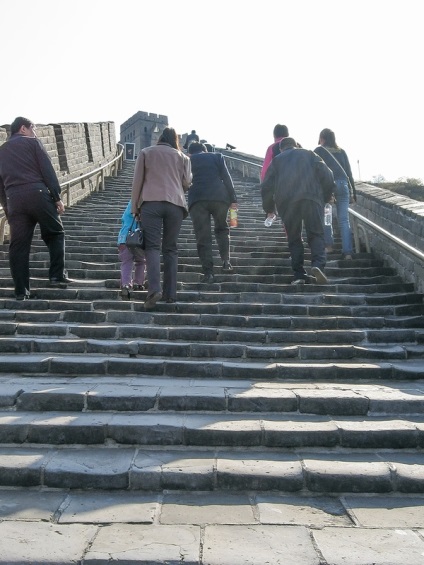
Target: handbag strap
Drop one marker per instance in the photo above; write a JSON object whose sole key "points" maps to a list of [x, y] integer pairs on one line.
{"points": [[329, 152]]}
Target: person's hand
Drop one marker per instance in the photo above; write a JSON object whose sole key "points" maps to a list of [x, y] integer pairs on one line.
{"points": [[60, 207]]}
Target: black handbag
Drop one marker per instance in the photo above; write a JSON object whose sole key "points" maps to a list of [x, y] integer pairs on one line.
{"points": [[135, 237]]}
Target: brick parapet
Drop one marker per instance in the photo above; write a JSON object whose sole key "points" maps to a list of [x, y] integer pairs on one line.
{"points": [[75, 148], [403, 218]]}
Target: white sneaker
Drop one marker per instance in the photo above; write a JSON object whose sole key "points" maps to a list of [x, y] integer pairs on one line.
{"points": [[319, 275]]}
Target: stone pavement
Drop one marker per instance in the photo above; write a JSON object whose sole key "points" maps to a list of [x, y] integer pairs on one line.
{"points": [[208, 528]]}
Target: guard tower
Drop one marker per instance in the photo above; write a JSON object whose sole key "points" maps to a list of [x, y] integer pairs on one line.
{"points": [[142, 129]]}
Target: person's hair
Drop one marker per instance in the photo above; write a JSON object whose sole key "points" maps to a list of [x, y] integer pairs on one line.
{"points": [[288, 143], [18, 122], [281, 131], [169, 135], [193, 131], [328, 137], [196, 147]]}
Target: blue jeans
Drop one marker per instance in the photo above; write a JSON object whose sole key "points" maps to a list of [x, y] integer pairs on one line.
{"points": [[342, 205]]}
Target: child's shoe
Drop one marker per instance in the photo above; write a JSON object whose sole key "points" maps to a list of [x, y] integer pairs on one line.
{"points": [[126, 292]]}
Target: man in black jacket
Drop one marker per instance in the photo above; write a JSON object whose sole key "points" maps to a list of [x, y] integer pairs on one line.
{"points": [[299, 183], [30, 194], [210, 196]]}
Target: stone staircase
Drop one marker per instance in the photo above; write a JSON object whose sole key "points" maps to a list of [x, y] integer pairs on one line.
{"points": [[245, 384]]}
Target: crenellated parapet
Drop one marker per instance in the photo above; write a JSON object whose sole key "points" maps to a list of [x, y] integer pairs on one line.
{"points": [[75, 148]]}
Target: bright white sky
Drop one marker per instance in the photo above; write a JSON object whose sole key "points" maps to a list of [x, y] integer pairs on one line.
{"points": [[230, 69]]}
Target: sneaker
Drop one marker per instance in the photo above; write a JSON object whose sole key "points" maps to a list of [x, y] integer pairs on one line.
{"points": [[347, 257], [319, 275], [307, 279], [25, 296], [226, 266], [208, 278], [61, 282], [139, 287], [126, 292], [151, 300]]}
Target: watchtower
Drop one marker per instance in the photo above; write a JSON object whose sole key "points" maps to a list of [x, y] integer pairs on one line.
{"points": [[143, 129]]}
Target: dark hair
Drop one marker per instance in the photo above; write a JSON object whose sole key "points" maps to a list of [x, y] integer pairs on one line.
{"points": [[18, 123], [169, 135], [196, 147], [287, 143], [281, 131], [328, 137]]}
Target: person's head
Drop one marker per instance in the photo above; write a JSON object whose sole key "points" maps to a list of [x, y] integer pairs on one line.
{"points": [[327, 138], [280, 131], [287, 143], [23, 126], [169, 135], [196, 147], [193, 131]]}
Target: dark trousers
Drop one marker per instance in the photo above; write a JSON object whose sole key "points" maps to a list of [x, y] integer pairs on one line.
{"points": [[27, 207], [309, 214], [201, 214], [161, 222]]}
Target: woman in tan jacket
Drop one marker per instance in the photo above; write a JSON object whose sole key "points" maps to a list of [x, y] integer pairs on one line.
{"points": [[162, 175]]}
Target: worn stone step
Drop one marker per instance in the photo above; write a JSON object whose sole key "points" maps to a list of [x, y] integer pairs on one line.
{"points": [[260, 430], [158, 394], [153, 469], [320, 351], [94, 365]]}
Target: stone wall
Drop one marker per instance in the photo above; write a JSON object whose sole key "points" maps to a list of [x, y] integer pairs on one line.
{"points": [[75, 149], [403, 218]]}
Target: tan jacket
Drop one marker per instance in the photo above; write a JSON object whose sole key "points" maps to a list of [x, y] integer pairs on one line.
{"points": [[161, 173]]}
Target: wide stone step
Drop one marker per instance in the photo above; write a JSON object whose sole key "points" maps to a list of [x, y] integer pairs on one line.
{"points": [[176, 468], [94, 365], [260, 430], [161, 394], [230, 350], [281, 318]]}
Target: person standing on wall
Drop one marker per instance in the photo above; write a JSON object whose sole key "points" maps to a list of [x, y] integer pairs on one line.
{"points": [[30, 195], [162, 174], [345, 192], [299, 183], [191, 137], [210, 196]]}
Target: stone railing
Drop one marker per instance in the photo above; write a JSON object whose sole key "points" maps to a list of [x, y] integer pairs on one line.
{"points": [[82, 155]]}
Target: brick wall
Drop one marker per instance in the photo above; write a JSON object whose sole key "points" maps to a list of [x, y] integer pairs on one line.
{"points": [[75, 149], [400, 216]]}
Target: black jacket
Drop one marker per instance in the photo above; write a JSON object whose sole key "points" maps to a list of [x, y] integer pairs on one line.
{"points": [[211, 179], [296, 174], [25, 161]]}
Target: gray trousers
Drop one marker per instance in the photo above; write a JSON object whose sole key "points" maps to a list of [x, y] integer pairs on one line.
{"points": [[161, 222]]}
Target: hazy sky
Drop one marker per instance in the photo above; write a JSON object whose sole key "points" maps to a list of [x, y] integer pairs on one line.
{"points": [[231, 69]]}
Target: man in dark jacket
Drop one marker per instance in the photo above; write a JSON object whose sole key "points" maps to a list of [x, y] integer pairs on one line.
{"points": [[299, 183], [210, 196], [30, 194]]}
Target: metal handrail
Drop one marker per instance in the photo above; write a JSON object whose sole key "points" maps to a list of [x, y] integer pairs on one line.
{"points": [[358, 224], [413, 250], [99, 183]]}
